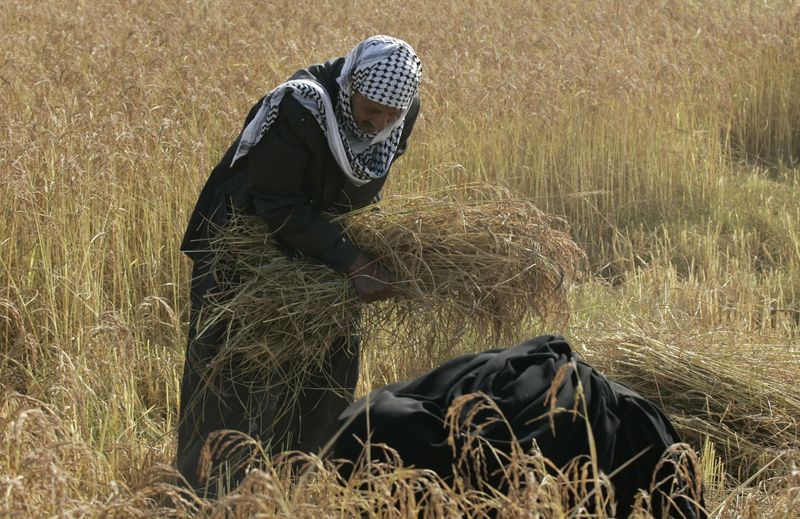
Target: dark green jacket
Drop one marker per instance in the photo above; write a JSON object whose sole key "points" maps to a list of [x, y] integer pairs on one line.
{"points": [[289, 178]]}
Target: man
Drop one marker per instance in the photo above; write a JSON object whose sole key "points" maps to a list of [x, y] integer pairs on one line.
{"points": [[323, 141]]}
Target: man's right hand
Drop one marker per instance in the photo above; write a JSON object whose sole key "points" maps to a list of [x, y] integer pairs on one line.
{"points": [[371, 281]]}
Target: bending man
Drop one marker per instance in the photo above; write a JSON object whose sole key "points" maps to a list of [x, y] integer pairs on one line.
{"points": [[322, 141]]}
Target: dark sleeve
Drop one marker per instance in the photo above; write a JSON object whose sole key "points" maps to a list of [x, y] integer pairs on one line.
{"points": [[278, 173]]}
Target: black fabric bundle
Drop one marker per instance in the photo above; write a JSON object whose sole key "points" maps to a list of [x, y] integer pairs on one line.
{"points": [[409, 417]]}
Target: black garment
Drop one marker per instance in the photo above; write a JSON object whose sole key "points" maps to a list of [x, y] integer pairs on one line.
{"points": [[409, 417], [289, 178], [245, 405]]}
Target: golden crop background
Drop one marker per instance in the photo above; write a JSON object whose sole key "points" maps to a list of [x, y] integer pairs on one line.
{"points": [[667, 133]]}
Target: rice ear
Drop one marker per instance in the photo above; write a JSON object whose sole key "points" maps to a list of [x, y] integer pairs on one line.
{"points": [[484, 265]]}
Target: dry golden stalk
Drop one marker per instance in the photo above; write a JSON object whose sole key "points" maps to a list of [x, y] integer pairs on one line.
{"points": [[482, 264], [744, 400]]}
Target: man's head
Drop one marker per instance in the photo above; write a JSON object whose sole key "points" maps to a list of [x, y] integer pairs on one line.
{"points": [[380, 79], [372, 117]]}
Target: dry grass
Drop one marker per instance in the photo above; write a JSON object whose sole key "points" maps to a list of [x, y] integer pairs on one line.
{"points": [[730, 392], [485, 266], [56, 475], [750, 412], [665, 133]]}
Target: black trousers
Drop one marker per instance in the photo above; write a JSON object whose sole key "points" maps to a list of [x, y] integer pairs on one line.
{"points": [[231, 402]]}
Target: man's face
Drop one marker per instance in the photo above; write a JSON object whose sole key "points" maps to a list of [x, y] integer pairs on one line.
{"points": [[372, 117]]}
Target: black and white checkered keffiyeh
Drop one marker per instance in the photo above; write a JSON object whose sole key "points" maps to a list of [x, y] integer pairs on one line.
{"points": [[383, 69]]}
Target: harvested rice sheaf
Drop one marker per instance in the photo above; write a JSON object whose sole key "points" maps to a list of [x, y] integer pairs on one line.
{"points": [[742, 398], [483, 264]]}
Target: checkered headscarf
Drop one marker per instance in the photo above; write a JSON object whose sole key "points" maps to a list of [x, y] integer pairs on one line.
{"points": [[383, 69]]}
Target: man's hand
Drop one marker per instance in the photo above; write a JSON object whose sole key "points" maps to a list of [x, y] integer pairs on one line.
{"points": [[371, 281]]}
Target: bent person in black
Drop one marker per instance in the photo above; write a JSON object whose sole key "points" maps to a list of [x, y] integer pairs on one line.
{"points": [[630, 434], [323, 141]]}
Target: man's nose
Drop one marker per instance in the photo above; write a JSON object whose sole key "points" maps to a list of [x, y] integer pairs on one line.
{"points": [[380, 121]]}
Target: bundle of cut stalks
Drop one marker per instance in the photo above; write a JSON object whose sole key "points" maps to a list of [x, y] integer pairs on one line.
{"points": [[482, 264], [744, 400]]}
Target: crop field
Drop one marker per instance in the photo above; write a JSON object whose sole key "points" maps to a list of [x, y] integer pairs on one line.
{"points": [[666, 134]]}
